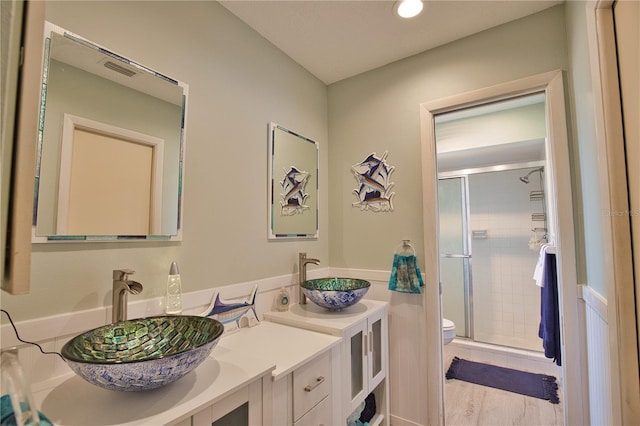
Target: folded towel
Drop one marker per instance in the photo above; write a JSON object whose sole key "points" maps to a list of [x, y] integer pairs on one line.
{"points": [[405, 275]]}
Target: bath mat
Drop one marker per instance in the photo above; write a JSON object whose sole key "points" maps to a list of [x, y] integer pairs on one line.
{"points": [[522, 382]]}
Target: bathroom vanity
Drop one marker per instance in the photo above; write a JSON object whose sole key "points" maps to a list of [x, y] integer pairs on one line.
{"points": [[307, 371], [364, 352], [256, 374]]}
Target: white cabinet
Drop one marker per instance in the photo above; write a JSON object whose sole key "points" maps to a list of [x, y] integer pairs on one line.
{"points": [[367, 356], [303, 397], [320, 415], [311, 384], [242, 407], [304, 377], [363, 351]]}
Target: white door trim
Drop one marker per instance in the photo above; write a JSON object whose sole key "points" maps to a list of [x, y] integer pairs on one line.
{"points": [[72, 122], [560, 178], [616, 228]]}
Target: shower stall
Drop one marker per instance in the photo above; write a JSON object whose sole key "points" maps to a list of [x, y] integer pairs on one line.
{"points": [[492, 223]]}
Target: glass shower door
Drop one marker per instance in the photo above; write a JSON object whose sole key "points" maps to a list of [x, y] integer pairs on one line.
{"points": [[455, 253]]}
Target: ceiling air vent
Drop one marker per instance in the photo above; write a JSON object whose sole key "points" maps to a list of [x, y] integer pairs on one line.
{"points": [[117, 68]]}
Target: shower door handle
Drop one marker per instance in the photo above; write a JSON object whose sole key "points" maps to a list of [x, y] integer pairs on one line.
{"points": [[456, 256]]}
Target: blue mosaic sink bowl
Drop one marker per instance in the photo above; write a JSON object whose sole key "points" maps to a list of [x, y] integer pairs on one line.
{"points": [[142, 354], [335, 293]]}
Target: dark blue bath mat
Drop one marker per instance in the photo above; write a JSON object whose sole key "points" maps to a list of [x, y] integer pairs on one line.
{"points": [[522, 382]]}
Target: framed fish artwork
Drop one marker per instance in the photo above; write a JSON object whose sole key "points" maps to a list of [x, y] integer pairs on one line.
{"points": [[374, 183]]}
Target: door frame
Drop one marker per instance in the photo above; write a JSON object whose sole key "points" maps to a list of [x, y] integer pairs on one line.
{"points": [[552, 84], [616, 229], [71, 124]]}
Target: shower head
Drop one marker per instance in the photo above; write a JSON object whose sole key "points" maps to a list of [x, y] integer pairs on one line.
{"points": [[525, 179]]}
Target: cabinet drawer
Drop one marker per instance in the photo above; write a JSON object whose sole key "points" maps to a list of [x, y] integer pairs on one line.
{"points": [[320, 415], [311, 383]]}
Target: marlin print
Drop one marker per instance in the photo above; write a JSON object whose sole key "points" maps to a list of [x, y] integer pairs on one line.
{"points": [[293, 195], [374, 190], [230, 311]]}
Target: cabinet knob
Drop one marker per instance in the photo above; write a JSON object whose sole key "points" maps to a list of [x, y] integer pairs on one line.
{"points": [[312, 386]]}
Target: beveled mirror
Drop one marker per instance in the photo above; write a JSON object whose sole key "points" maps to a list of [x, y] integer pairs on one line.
{"points": [[293, 184], [110, 146]]}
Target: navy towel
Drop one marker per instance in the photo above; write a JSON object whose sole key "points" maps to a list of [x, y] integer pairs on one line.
{"points": [[549, 330]]}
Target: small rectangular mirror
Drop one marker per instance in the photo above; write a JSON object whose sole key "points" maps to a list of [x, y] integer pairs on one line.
{"points": [[110, 146], [293, 184]]}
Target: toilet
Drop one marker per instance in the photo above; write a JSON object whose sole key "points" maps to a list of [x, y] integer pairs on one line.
{"points": [[448, 331]]}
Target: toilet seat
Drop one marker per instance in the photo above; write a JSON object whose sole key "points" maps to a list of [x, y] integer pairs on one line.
{"points": [[447, 325], [448, 331]]}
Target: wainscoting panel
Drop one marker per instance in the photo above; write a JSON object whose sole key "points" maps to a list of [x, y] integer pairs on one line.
{"points": [[598, 357]]}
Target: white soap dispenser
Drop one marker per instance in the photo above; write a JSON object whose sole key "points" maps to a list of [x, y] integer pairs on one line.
{"points": [[174, 291], [282, 300]]}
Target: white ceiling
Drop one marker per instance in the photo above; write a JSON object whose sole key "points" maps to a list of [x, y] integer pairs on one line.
{"points": [[336, 39]]}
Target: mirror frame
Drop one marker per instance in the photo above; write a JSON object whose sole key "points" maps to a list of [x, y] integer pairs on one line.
{"points": [[558, 162], [16, 275], [273, 233], [49, 29]]}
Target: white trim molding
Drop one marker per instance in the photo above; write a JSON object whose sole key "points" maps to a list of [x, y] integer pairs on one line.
{"points": [[624, 395], [561, 221]]}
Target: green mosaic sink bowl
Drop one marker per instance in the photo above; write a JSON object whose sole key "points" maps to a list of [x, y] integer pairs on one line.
{"points": [[142, 354], [335, 293]]}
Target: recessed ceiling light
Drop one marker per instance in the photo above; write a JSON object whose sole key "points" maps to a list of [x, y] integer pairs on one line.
{"points": [[408, 8]]}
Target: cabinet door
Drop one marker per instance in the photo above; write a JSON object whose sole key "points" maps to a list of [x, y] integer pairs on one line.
{"points": [[357, 362], [320, 415], [243, 407], [377, 351]]}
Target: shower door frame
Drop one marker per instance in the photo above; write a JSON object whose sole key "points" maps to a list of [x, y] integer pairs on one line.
{"points": [[464, 174], [467, 256]]}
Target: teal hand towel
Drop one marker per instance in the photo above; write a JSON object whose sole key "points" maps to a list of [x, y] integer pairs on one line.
{"points": [[405, 275]]}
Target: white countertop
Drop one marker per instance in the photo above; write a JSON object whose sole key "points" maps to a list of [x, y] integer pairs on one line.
{"points": [[240, 358], [289, 347], [313, 317]]}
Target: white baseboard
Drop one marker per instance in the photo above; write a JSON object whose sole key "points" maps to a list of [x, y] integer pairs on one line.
{"points": [[399, 421]]}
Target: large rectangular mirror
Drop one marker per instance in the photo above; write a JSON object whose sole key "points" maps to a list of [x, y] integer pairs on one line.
{"points": [[293, 184], [110, 146]]}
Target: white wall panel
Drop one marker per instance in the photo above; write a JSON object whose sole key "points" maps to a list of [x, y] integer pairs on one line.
{"points": [[597, 330]]}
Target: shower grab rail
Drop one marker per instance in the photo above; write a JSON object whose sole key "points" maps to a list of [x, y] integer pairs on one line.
{"points": [[456, 256]]}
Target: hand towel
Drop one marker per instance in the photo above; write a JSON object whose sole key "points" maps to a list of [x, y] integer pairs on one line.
{"points": [[405, 275]]}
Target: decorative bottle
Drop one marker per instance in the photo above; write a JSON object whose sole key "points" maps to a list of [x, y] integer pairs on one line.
{"points": [[174, 291]]}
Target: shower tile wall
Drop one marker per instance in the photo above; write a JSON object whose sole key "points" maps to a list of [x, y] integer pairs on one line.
{"points": [[506, 300]]}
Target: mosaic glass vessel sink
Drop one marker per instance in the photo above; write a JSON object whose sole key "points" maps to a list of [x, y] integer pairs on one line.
{"points": [[142, 354], [335, 293]]}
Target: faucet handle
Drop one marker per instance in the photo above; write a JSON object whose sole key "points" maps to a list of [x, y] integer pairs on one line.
{"points": [[122, 274]]}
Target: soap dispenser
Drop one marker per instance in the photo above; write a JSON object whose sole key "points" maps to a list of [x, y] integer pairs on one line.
{"points": [[174, 291], [282, 300]]}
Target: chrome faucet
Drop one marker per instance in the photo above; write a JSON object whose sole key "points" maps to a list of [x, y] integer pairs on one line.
{"points": [[121, 287], [302, 274]]}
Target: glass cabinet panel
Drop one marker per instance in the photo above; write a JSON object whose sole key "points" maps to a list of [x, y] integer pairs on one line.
{"points": [[237, 417], [357, 361], [376, 347]]}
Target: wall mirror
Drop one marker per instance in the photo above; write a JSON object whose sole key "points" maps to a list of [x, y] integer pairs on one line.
{"points": [[293, 184], [110, 146]]}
